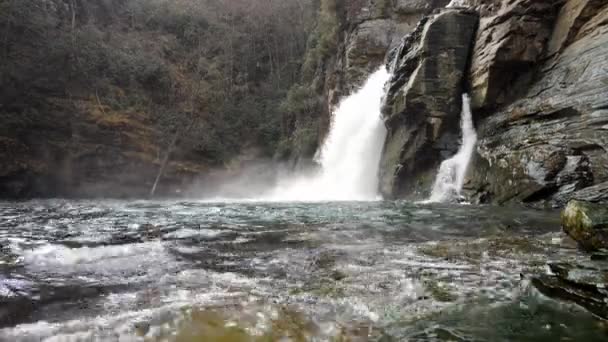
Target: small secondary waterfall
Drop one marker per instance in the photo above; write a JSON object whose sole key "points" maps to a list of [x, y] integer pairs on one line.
{"points": [[450, 177], [350, 156]]}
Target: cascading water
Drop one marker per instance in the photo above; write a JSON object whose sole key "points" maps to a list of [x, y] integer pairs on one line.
{"points": [[450, 177], [350, 156], [457, 3]]}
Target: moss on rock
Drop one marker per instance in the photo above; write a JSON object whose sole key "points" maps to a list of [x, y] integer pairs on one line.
{"points": [[587, 223]]}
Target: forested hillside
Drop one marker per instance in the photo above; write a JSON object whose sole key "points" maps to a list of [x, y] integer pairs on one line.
{"points": [[98, 92]]}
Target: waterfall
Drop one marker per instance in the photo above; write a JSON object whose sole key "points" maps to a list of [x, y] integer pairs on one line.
{"points": [[350, 156], [450, 177]]}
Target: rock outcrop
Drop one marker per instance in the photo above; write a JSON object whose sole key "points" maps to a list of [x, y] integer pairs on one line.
{"points": [[540, 80], [365, 31], [369, 29], [423, 103], [583, 284], [509, 43], [586, 223]]}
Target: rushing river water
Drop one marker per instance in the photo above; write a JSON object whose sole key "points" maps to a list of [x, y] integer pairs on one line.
{"points": [[195, 271]]}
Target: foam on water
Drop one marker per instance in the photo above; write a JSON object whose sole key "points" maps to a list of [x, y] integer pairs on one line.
{"points": [[102, 264]]}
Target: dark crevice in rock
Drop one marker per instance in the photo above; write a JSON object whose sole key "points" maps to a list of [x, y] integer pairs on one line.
{"points": [[541, 194]]}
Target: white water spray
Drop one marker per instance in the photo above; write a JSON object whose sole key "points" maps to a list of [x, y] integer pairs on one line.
{"points": [[457, 3], [450, 177], [350, 156]]}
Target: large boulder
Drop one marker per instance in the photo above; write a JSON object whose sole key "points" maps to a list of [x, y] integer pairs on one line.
{"points": [[422, 106], [587, 223], [548, 144]]}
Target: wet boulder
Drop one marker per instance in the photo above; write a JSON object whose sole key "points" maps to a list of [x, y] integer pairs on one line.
{"points": [[587, 223], [584, 285], [423, 101]]}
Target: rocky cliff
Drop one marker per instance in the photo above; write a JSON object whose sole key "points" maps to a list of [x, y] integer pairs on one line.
{"points": [[423, 101], [540, 83], [367, 30], [537, 77]]}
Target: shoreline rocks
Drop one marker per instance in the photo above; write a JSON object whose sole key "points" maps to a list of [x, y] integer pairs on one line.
{"points": [[584, 285], [587, 223]]}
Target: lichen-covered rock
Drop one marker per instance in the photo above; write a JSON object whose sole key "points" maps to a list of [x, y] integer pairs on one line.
{"points": [[587, 223], [549, 144], [423, 102]]}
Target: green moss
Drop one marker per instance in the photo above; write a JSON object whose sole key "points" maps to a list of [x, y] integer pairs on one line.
{"points": [[323, 41], [210, 325], [330, 289], [573, 219], [500, 246], [439, 292]]}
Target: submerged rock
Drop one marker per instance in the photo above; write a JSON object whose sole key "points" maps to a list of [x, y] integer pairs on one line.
{"points": [[423, 101], [587, 223], [584, 285]]}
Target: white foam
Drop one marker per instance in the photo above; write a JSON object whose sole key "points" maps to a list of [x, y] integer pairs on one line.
{"points": [[350, 156], [107, 262], [450, 178]]}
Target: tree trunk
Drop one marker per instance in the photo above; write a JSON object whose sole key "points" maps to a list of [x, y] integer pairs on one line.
{"points": [[7, 30], [73, 24], [165, 161]]}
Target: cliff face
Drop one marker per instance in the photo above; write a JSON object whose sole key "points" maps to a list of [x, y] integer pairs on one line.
{"points": [[368, 29], [423, 101], [538, 82]]}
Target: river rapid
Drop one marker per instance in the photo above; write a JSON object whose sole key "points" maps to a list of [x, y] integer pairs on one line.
{"points": [[251, 271]]}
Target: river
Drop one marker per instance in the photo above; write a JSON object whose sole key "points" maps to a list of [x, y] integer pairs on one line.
{"points": [[252, 271]]}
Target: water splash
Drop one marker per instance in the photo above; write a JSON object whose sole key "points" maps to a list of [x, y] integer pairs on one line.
{"points": [[350, 156], [450, 177], [457, 3]]}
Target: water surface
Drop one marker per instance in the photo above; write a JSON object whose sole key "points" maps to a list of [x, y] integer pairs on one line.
{"points": [[360, 271]]}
